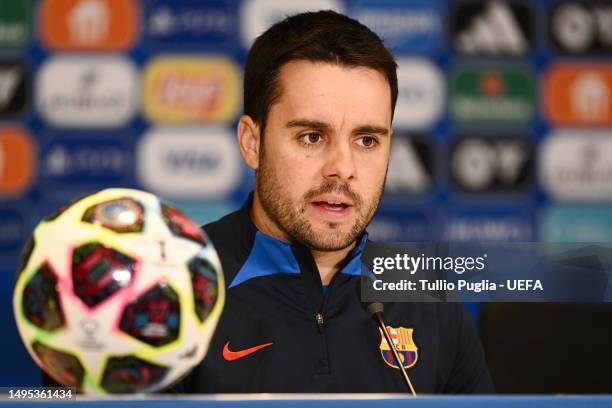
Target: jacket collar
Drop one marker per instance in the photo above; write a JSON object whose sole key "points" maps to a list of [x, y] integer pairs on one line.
{"points": [[271, 256]]}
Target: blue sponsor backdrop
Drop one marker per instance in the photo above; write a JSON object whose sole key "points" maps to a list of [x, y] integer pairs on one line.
{"points": [[191, 25], [427, 205]]}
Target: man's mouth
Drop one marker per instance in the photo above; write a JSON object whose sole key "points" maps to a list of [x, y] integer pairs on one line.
{"points": [[334, 208], [330, 206]]}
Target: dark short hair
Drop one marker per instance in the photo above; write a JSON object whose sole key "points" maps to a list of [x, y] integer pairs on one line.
{"points": [[322, 36]]}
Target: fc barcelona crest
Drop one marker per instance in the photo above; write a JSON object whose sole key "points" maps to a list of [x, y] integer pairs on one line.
{"points": [[402, 339]]}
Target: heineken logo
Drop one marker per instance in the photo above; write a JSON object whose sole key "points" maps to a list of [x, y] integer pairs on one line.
{"points": [[14, 23], [492, 95]]}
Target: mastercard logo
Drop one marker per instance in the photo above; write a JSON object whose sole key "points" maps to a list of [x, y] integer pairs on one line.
{"points": [[93, 25], [191, 89], [17, 158]]}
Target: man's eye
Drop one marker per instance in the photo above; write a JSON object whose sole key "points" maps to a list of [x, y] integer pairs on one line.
{"points": [[310, 138], [367, 141]]}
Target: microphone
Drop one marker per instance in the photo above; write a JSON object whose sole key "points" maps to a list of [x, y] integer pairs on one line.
{"points": [[376, 311]]}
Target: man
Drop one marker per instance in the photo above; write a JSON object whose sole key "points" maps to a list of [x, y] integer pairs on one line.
{"points": [[319, 94]]}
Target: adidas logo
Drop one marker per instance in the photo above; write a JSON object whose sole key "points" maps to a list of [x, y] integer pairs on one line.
{"points": [[409, 168], [494, 30], [9, 79]]}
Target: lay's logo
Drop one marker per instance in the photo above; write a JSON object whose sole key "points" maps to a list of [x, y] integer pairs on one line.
{"points": [[191, 89]]}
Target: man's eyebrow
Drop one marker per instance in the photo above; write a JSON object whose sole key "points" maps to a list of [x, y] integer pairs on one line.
{"points": [[307, 123], [315, 124], [378, 130]]}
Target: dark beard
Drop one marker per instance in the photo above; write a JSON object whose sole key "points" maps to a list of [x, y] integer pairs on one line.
{"points": [[292, 221]]}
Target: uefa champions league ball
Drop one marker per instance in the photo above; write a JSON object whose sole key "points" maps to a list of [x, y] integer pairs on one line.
{"points": [[118, 293]]}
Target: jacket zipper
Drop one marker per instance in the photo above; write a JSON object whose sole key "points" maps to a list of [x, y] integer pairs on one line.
{"points": [[320, 321], [320, 315]]}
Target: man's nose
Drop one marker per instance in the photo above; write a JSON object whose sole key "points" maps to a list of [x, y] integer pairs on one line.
{"points": [[340, 162]]}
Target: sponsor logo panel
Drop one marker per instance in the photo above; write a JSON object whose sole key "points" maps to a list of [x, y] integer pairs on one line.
{"points": [[92, 25], [17, 160], [410, 26], [581, 27], [421, 96], [15, 23], [491, 164], [204, 212], [191, 22], [407, 225], [13, 229], [579, 94], [191, 89], [77, 160], [489, 225], [575, 165], [577, 223], [411, 165], [492, 28], [256, 16], [197, 162], [14, 88], [488, 96], [91, 91]]}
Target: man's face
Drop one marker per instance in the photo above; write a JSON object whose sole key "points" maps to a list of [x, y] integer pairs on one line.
{"points": [[325, 152]]}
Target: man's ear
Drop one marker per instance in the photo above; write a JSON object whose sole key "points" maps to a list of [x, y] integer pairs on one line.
{"points": [[248, 141]]}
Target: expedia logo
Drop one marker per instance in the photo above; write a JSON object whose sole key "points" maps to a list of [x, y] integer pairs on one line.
{"points": [[73, 160], [492, 28], [575, 165], [258, 15], [411, 166], [405, 27], [577, 94], [178, 89], [13, 88], [489, 165], [581, 27], [191, 22], [495, 226], [87, 91], [420, 100], [189, 162]]}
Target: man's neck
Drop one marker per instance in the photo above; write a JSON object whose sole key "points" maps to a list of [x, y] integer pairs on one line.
{"points": [[328, 262]]}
